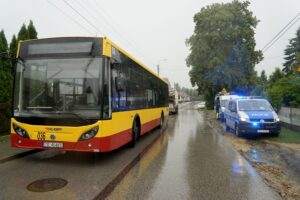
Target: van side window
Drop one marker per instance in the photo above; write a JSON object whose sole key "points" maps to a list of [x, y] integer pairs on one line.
{"points": [[233, 106], [230, 106]]}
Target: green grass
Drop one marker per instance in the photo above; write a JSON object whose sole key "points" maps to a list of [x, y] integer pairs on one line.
{"points": [[287, 136], [4, 138]]}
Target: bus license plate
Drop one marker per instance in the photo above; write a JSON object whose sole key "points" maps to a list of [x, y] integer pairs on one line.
{"points": [[263, 131], [53, 145]]}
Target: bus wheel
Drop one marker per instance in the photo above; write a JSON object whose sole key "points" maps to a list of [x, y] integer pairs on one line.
{"points": [[161, 120], [135, 133]]}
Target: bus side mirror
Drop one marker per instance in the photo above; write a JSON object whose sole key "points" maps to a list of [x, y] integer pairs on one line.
{"points": [[120, 84]]}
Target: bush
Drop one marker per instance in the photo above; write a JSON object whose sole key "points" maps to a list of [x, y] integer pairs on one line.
{"points": [[285, 92]]}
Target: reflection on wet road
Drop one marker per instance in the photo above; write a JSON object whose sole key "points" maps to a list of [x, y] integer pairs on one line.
{"points": [[192, 162], [186, 161]]}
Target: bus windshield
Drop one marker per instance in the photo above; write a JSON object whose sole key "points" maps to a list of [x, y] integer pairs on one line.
{"points": [[58, 88], [254, 105]]}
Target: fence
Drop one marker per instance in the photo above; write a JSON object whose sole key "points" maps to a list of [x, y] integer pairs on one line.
{"points": [[290, 117]]}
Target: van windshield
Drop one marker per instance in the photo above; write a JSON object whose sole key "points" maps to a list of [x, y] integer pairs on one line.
{"points": [[254, 105]]}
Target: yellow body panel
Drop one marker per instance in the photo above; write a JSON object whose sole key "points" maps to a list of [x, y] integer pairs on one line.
{"points": [[106, 48], [120, 121]]}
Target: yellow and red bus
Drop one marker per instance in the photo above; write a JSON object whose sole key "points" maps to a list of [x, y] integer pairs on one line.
{"points": [[83, 94]]}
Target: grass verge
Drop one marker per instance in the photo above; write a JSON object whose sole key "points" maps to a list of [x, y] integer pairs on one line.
{"points": [[287, 136], [4, 138]]}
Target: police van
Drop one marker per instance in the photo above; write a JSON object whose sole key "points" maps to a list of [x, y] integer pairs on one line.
{"points": [[251, 117], [220, 103]]}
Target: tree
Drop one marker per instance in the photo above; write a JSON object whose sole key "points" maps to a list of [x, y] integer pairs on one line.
{"points": [[4, 55], [5, 83], [13, 49], [223, 49], [177, 87], [275, 76], [32, 33], [23, 33], [292, 54], [263, 77]]}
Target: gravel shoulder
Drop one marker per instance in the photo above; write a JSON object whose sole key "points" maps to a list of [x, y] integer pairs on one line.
{"points": [[278, 163]]}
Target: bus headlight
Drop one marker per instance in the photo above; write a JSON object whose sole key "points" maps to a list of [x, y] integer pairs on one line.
{"points": [[20, 131], [89, 134]]}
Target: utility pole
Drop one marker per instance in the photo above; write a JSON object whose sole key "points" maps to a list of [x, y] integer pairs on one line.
{"points": [[158, 64]]}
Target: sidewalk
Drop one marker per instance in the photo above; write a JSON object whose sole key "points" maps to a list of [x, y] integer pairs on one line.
{"points": [[7, 151]]}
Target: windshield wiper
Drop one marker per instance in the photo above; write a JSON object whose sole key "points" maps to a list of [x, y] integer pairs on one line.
{"points": [[74, 114], [39, 107]]}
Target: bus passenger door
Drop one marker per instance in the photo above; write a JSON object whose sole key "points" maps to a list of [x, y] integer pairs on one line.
{"points": [[107, 111], [118, 88]]}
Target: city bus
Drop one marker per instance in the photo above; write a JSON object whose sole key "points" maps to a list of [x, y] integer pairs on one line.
{"points": [[83, 94]]}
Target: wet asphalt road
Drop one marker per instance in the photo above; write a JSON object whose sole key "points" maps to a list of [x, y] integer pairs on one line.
{"points": [[187, 160]]}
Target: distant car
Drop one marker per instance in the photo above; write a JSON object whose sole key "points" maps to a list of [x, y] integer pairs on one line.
{"points": [[200, 105], [173, 101], [251, 117]]}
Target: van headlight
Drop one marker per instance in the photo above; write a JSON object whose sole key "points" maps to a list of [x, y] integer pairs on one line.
{"points": [[276, 118], [89, 134], [20, 131], [243, 116], [244, 119]]}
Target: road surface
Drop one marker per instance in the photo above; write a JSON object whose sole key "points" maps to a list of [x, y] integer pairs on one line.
{"points": [[186, 160]]}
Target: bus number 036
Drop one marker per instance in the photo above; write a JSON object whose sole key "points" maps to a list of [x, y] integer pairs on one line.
{"points": [[41, 136]]}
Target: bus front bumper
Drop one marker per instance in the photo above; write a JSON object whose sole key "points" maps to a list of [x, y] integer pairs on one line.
{"points": [[96, 144], [91, 145]]}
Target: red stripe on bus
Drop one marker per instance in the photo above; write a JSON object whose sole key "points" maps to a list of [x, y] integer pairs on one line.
{"points": [[149, 126]]}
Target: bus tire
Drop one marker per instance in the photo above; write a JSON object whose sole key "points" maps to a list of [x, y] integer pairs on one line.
{"points": [[161, 122], [135, 133]]}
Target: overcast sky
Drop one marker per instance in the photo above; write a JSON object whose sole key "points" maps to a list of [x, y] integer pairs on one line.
{"points": [[149, 30]]}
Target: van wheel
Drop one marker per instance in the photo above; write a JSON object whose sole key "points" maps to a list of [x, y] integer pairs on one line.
{"points": [[135, 134], [227, 129], [237, 131]]}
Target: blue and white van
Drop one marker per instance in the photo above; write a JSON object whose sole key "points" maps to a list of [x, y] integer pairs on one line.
{"points": [[220, 104], [251, 117]]}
